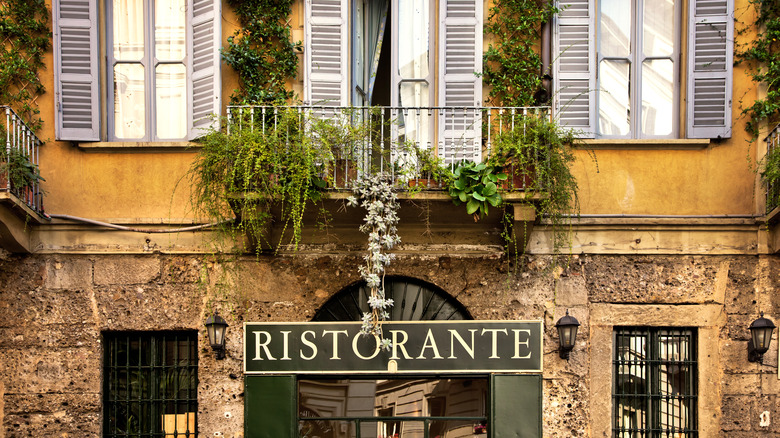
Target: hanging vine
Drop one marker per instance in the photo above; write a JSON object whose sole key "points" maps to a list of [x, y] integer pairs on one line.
{"points": [[512, 62], [25, 37], [262, 52], [761, 55], [376, 195]]}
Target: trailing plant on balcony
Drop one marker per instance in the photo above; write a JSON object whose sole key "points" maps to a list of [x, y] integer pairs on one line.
{"points": [[272, 170], [19, 170], [537, 156]]}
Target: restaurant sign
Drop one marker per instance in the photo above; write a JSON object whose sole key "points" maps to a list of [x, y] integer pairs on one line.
{"points": [[417, 347]]}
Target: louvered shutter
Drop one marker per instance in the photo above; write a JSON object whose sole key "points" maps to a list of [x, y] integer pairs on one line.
{"points": [[460, 85], [575, 70], [710, 58], [326, 52], [204, 78], [76, 69]]}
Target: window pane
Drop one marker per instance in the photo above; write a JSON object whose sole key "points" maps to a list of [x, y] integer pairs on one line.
{"points": [[128, 30], [129, 101], [614, 99], [615, 28], [413, 29], [171, 101], [169, 30], [414, 124], [658, 29], [658, 97]]}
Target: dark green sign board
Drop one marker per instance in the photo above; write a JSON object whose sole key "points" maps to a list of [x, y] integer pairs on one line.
{"points": [[417, 347]]}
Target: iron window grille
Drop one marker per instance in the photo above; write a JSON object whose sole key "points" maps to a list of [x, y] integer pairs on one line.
{"points": [[150, 384], [654, 386]]}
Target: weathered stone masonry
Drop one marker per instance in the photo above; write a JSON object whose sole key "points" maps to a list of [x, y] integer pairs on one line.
{"points": [[54, 308]]}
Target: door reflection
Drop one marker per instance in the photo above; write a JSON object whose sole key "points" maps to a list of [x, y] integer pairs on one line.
{"points": [[392, 408]]}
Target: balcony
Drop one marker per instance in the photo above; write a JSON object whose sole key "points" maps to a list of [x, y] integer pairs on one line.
{"points": [[21, 198], [419, 149]]}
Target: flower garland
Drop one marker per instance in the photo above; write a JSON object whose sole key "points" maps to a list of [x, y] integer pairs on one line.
{"points": [[375, 194]]}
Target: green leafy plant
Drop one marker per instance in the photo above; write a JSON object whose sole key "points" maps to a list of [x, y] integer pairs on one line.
{"points": [[539, 152], [261, 51], [273, 170], [761, 55], [512, 63], [770, 174], [18, 168], [474, 184], [25, 36]]}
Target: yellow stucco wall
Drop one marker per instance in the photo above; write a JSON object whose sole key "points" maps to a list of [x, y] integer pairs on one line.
{"points": [[133, 184]]}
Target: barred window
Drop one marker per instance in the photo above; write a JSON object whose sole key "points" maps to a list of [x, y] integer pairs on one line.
{"points": [[150, 384], [654, 383]]}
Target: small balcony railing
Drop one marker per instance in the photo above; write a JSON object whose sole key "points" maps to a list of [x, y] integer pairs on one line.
{"points": [[388, 134], [19, 160], [773, 190]]}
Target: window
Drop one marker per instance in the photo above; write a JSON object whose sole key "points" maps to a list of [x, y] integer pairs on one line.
{"points": [[160, 81], [637, 47], [654, 382], [618, 68], [415, 54], [150, 384]]}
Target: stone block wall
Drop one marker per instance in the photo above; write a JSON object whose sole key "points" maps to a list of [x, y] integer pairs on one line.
{"points": [[55, 308]]}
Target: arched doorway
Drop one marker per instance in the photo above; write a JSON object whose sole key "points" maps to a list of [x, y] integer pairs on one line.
{"points": [[414, 300]]}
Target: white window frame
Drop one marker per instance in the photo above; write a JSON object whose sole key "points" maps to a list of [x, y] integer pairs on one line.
{"points": [[636, 58]]}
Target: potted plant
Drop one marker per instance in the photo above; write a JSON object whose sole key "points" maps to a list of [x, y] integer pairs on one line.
{"points": [[428, 171], [771, 176], [23, 174]]}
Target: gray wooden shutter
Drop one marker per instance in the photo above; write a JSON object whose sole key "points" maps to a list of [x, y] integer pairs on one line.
{"points": [[76, 70], [204, 78], [574, 69], [326, 52], [460, 84], [710, 58]]}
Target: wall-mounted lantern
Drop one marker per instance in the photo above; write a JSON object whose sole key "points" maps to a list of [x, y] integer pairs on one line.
{"points": [[216, 328], [760, 337], [567, 334]]}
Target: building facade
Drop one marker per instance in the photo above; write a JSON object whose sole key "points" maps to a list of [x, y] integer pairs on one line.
{"points": [[107, 279]]}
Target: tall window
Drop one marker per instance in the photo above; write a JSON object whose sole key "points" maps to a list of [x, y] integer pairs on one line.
{"points": [[148, 74], [637, 71], [654, 383], [618, 68], [150, 384]]}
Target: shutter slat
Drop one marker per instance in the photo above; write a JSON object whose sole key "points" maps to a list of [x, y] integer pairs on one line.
{"points": [[574, 68], [710, 57], [460, 133], [76, 69], [326, 52], [204, 75]]}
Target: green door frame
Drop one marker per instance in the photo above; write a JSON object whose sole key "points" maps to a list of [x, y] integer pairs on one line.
{"points": [[515, 410]]}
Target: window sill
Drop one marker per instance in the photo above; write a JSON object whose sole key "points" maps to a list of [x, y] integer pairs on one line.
{"points": [[656, 143], [136, 145]]}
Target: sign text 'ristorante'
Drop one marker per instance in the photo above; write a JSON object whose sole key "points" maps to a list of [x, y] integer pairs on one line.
{"points": [[417, 347]]}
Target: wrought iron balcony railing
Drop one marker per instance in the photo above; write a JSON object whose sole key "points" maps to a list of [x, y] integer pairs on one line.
{"points": [[19, 172], [773, 190], [379, 139]]}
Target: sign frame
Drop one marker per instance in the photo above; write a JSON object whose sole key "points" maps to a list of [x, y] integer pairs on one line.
{"points": [[506, 346]]}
